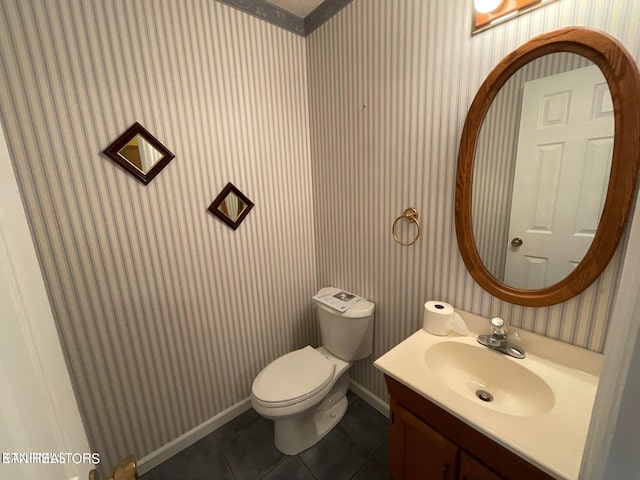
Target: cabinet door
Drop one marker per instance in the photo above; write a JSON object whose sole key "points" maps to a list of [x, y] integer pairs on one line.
{"points": [[416, 451], [471, 469]]}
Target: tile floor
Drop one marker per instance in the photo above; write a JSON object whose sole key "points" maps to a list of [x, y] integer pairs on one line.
{"points": [[243, 449]]}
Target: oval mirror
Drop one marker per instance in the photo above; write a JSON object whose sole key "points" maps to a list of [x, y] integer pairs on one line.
{"points": [[547, 166]]}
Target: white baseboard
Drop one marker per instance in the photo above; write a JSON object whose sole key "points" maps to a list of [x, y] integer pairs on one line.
{"points": [[370, 398], [168, 450]]}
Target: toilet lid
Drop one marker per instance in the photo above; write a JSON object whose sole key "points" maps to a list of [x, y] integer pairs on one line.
{"points": [[298, 374]]}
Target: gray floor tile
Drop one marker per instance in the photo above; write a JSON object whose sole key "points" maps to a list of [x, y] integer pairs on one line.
{"points": [[210, 466], [335, 457], [365, 425], [382, 453], [243, 449], [150, 475], [252, 453], [372, 470], [234, 427], [291, 468]]}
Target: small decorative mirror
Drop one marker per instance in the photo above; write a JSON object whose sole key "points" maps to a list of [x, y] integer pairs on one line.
{"points": [[231, 206], [139, 153]]}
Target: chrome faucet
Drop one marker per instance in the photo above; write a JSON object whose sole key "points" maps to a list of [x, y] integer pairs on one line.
{"points": [[498, 340]]}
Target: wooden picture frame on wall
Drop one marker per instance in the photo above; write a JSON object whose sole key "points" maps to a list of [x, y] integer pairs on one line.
{"points": [[138, 152], [231, 206]]}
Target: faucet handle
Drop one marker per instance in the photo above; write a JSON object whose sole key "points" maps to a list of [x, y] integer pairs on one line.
{"points": [[497, 326]]}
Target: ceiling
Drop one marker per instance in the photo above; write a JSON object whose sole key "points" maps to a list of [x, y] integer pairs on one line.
{"points": [[300, 8], [298, 16]]}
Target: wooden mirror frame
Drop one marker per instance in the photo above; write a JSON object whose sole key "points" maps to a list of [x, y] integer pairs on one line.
{"points": [[112, 151], [621, 73], [222, 196]]}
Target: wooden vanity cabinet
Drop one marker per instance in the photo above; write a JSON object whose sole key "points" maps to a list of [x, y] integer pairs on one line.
{"points": [[428, 443], [471, 469], [417, 451]]}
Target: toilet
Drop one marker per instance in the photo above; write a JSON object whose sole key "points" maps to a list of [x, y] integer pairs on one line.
{"points": [[305, 391]]}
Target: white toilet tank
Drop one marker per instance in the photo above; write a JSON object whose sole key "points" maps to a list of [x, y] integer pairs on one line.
{"points": [[348, 335]]}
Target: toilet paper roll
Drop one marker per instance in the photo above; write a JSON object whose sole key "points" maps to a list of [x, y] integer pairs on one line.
{"points": [[440, 318]]}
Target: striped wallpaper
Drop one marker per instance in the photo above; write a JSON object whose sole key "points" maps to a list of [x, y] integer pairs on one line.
{"points": [[166, 314], [390, 85]]}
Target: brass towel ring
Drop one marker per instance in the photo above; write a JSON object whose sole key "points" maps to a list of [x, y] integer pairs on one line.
{"points": [[410, 215]]}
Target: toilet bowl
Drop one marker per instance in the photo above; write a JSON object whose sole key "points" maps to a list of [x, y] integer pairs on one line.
{"points": [[304, 391]]}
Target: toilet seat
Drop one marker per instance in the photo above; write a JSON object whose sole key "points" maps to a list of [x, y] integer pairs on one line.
{"points": [[292, 378]]}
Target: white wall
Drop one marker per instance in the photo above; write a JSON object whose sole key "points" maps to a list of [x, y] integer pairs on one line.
{"points": [[623, 462], [611, 449], [38, 411]]}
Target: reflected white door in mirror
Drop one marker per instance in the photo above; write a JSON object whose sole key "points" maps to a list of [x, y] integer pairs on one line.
{"points": [[561, 176]]}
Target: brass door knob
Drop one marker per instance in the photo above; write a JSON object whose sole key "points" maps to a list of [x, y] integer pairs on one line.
{"points": [[125, 470], [516, 242]]}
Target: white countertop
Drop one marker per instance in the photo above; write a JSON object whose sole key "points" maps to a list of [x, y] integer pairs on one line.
{"points": [[553, 441]]}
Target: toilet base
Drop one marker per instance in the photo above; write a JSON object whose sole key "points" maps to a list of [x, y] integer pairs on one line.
{"points": [[295, 434]]}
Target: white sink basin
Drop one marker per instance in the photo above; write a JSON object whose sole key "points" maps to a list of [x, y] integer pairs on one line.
{"points": [[541, 404], [489, 378]]}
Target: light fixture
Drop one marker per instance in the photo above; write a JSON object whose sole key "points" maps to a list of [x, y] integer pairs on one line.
{"points": [[487, 6], [504, 18]]}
